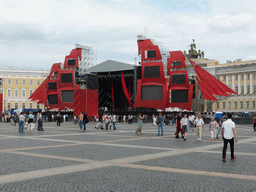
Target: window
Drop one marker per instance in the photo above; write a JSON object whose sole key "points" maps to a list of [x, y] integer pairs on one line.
{"points": [[1, 90], [235, 105], [247, 104], [23, 105], [254, 75], [23, 92], [224, 78], [230, 77], [9, 81], [24, 82], [16, 82], [253, 104], [254, 88], [236, 77], [38, 82], [16, 93], [229, 104], [218, 105], [236, 88], [31, 82], [31, 105], [248, 88], [223, 105], [242, 76], [30, 92], [8, 106], [16, 106], [242, 89], [9, 93], [38, 106], [218, 77], [248, 76], [241, 105]]}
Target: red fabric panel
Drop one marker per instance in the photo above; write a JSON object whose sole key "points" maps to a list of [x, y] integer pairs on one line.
{"points": [[206, 91], [175, 56], [217, 87], [80, 104], [156, 104], [125, 89], [113, 96], [188, 105], [148, 48], [40, 93], [161, 79], [178, 72], [144, 43]]}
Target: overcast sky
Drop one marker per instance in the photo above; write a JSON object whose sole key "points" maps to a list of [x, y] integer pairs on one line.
{"points": [[38, 33]]}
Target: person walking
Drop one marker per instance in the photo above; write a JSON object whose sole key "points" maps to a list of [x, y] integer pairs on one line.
{"points": [[140, 123], [254, 124], [30, 121], [228, 133], [40, 122], [199, 122], [184, 125], [114, 121], [58, 118], [213, 127], [222, 119], [21, 122], [81, 117], [85, 120], [178, 126], [160, 124]]}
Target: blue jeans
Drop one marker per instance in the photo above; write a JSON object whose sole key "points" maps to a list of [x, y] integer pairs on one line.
{"points": [[21, 126], [107, 125], [185, 128], [220, 127], [81, 124], [190, 124], [160, 126], [114, 125]]}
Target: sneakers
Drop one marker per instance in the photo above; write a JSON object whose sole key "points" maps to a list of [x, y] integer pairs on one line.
{"points": [[224, 160], [233, 158]]}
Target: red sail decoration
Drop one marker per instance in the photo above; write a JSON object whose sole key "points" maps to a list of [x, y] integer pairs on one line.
{"points": [[126, 93], [209, 85], [60, 89]]}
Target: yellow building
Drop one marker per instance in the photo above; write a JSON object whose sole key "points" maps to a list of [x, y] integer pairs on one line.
{"points": [[238, 75], [18, 84]]}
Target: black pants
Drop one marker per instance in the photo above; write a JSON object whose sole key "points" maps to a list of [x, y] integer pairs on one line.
{"points": [[58, 122], [231, 143], [254, 126], [40, 125]]}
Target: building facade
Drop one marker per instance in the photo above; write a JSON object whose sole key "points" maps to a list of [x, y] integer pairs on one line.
{"points": [[17, 85]]}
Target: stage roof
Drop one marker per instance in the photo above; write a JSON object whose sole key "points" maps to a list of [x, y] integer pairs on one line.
{"points": [[110, 65]]}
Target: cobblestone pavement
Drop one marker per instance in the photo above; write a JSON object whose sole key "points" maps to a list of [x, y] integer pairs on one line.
{"points": [[67, 159]]}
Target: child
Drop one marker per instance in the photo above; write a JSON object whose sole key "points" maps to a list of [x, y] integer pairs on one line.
{"points": [[213, 127]]}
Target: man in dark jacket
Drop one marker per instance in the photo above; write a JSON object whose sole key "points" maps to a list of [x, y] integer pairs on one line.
{"points": [[85, 120]]}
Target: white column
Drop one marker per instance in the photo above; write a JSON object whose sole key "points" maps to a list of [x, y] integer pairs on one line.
{"points": [[245, 87], [233, 81], [239, 88], [251, 85]]}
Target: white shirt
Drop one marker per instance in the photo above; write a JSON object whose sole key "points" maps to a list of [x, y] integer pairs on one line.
{"points": [[184, 121], [227, 126], [114, 118], [191, 118], [199, 122]]}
